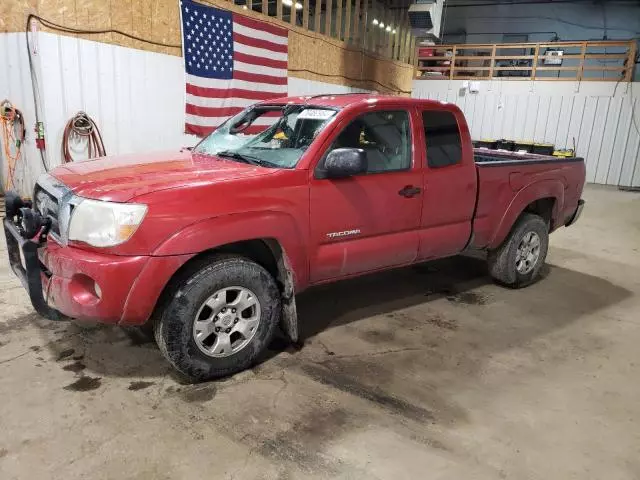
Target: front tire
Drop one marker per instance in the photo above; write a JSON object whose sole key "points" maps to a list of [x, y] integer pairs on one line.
{"points": [[517, 262], [220, 319]]}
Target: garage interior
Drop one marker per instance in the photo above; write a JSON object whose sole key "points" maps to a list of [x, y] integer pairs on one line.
{"points": [[428, 371]]}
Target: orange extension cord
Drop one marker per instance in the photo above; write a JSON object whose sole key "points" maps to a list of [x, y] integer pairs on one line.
{"points": [[13, 134], [82, 126]]}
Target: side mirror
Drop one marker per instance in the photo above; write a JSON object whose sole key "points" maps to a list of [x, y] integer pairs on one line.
{"points": [[345, 162]]}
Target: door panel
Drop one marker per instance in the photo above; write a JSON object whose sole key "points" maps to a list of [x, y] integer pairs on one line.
{"points": [[370, 221], [362, 223]]}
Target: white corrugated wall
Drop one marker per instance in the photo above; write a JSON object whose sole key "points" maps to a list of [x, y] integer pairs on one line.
{"points": [[596, 115], [135, 97]]}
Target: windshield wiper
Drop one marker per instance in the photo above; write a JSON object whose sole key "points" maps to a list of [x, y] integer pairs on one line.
{"points": [[246, 158], [237, 156]]}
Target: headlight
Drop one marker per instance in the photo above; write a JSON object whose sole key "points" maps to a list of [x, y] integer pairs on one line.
{"points": [[105, 224]]}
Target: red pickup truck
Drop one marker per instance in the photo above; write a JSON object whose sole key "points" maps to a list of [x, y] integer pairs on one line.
{"points": [[209, 246]]}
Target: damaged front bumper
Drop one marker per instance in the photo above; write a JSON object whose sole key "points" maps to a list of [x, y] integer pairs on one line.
{"points": [[25, 263]]}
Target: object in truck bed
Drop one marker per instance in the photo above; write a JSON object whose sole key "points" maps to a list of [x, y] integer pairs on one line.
{"points": [[504, 144], [568, 153], [524, 146], [492, 144], [543, 148]]}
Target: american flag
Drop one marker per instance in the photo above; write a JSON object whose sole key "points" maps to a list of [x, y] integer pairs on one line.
{"points": [[231, 62]]}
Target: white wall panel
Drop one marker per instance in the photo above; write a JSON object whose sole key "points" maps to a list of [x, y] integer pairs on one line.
{"points": [[15, 85], [135, 97], [599, 116]]}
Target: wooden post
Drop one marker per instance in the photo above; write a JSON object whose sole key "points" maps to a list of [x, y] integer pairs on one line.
{"points": [[364, 24], [293, 13], [316, 20], [401, 30], [395, 37], [347, 23], [305, 15], [583, 52], [265, 7], [534, 65], [407, 44], [630, 61], [452, 63], [279, 9], [339, 19], [493, 61], [327, 18], [356, 22], [368, 25], [376, 37], [250, 4], [387, 32]]}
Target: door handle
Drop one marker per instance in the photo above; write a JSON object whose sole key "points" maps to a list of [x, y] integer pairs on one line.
{"points": [[409, 191]]}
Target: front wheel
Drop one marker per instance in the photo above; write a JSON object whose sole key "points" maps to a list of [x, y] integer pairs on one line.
{"points": [[220, 320], [517, 262]]}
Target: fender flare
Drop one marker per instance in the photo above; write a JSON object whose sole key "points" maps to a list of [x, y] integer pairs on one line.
{"points": [[530, 193], [280, 233]]}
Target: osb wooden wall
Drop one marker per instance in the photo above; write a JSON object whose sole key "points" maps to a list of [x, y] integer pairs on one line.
{"points": [[311, 56]]}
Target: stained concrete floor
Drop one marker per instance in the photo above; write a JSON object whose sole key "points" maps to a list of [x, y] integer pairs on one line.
{"points": [[426, 372]]}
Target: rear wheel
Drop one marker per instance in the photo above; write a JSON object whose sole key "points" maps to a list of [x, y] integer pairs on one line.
{"points": [[517, 262], [220, 319]]}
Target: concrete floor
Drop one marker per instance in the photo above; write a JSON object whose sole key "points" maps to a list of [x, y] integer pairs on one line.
{"points": [[426, 372]]}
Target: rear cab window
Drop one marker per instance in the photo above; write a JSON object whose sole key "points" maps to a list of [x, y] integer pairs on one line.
{"points": [[442, 137]]}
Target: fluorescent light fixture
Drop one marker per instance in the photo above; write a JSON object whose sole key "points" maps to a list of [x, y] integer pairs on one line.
{"points": [[381, 25], [375, 21], [289, 3], [388, 29]]}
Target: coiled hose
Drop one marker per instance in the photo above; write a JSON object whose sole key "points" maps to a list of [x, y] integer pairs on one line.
{"points": [[13, 134], [82, 126]]}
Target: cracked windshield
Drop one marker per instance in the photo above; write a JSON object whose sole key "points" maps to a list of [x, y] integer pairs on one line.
{"points": [[274, 136]]}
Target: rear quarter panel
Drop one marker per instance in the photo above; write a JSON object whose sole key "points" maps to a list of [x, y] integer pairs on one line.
{"points": [[505, 190]]}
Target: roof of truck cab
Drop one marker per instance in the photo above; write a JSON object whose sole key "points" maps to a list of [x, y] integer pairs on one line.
{"points": [[338, 100]]}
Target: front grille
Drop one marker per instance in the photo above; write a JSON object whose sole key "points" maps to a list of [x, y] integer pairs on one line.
{"points": [[48, 206]]}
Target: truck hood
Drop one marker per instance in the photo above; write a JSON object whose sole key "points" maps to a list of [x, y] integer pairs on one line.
{"points": [[121, 178]]}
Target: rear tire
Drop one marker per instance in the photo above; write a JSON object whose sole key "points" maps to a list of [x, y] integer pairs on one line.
{"points": [[517, 262], [220, 343]]}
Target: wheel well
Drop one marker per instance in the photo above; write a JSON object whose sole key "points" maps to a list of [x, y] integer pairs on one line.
{"points": [[265, 252], [543, 207]]}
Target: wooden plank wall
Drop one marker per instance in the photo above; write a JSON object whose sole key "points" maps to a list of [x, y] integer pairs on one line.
{"points": [[332, 60], [598, 115]]}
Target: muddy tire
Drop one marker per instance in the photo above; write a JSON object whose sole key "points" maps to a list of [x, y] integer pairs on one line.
{"points": [[220, 319], [517, 262]]}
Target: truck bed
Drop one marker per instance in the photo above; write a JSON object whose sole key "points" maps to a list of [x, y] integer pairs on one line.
{"points": [[484, 156], [507, 181]]}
